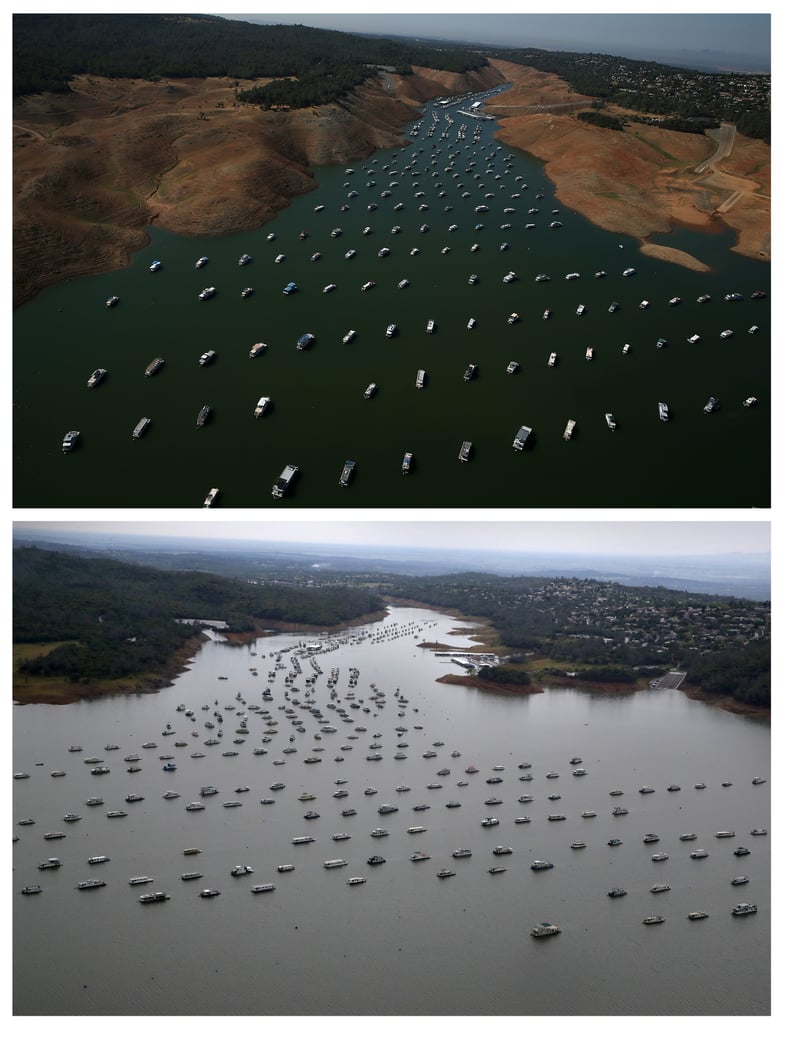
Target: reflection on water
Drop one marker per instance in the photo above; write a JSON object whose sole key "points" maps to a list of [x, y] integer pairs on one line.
{"points": [[367, 707]]}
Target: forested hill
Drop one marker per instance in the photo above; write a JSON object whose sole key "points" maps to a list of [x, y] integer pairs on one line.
{"points": [[51, 48], [123, 617]]}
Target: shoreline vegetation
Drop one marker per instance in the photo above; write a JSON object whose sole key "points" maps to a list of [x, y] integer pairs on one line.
{"points": [[52, 692], [95, 167]]}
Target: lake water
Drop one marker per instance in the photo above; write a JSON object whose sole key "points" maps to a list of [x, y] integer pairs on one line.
{"points": [[406, 942], [318, 416]]}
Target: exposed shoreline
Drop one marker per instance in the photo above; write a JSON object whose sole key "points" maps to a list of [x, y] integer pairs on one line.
{"points": [[93, 170]]}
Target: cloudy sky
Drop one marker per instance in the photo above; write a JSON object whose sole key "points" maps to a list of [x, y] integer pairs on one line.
{"points": [[607, 28], [670, 538]]}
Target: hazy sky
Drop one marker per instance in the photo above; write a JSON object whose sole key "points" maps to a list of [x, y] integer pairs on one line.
{"points": [[612, 29], [596, 536]]}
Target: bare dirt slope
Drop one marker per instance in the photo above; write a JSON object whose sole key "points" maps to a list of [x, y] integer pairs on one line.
{"points": [[95, 167], [643, 180]]}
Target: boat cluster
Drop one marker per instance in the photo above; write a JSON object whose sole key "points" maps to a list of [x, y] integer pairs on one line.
{"points": [[349, 726]]}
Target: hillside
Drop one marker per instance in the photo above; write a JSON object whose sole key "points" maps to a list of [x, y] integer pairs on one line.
{"points": [[94, 167], [120, 122], [88, 624]]}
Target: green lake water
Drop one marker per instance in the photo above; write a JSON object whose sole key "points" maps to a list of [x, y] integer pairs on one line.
{"points": [[319, 418]]}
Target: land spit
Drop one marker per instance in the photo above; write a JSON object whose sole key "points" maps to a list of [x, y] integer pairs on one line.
{"points": [[95, 167]]}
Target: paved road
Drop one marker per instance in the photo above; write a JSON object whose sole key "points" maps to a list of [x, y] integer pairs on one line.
{"points": [[673, 679], [724, 135]]}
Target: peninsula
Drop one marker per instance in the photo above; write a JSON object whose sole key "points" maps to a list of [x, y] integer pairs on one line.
{"points": [[99, 162]]}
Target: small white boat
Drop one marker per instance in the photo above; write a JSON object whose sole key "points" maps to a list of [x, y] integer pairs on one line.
{"points": [[261, 406], [551, 360], [545, 930], [155, 265], [370, 390], [420, 379], [570, 429], [70, 440], [346, 473], [350, 335], [96, 377], [610, 421], [521, 438]]}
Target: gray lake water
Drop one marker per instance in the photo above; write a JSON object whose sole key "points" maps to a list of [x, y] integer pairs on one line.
{"points": [[467, 193], [405, 943]]}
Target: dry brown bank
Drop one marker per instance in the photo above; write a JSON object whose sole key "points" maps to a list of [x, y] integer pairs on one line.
{"points": [[92, 169], [641, 181]]}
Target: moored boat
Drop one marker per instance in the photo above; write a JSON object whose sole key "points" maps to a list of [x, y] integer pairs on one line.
{"points": [[261, 406], [96, 377], [744, 909], [407, 462], [346, 473], [610, 421], [140, 428], [521, 437], [70, 440], [570, 429], [545, 930], [465, 450], [207, 358], [204, 415], [284, 480], [154, 367]]}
